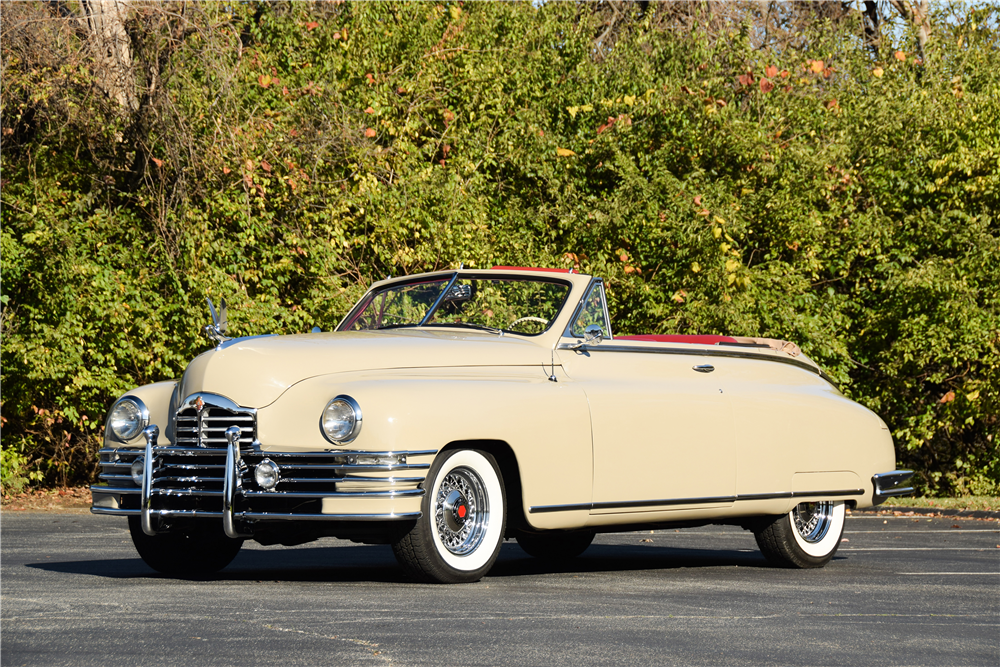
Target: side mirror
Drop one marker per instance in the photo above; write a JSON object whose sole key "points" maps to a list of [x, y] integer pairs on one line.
{"points": [[593, 334]]}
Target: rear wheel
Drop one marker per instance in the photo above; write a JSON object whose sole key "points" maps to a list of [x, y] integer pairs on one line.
{"points": [[197, 549], [555, 546], [808, 536], [458, 535]]}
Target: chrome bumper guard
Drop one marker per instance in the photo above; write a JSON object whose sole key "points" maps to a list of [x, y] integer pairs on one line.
{"points": [[886, 485], [338, 467]]}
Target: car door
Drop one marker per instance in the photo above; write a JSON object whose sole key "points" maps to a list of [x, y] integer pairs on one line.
{"points": [[662, 425]]}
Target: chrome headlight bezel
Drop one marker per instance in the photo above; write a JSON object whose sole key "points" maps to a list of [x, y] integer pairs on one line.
{"points": [[354, 411], [142, 421]]}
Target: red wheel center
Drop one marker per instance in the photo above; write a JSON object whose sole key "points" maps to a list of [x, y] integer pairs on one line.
{"points": [[461, 511]]}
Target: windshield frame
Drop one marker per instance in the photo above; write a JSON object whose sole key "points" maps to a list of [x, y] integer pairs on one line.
{"points": [[451, 277]]}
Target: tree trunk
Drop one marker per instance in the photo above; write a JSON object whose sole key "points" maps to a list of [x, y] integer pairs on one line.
{"points": [[915, 13], [112, 51]]}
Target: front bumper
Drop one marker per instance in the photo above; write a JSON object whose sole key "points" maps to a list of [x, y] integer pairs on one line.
{"points": [[197, 482]]}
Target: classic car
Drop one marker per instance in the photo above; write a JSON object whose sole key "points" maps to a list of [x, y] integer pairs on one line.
{"points": [[451, 411]]}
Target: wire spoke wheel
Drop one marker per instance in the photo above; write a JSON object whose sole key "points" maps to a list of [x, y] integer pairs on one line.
{"points": [[461, 511]]}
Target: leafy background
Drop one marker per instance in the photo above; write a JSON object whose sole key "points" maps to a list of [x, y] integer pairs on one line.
{"points": [[831, 187]]}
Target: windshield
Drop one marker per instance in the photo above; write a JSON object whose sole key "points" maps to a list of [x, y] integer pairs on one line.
{"points": [[526, 306]]}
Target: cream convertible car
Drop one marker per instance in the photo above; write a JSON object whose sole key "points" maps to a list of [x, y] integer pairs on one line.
{"points": [[450, 411]]}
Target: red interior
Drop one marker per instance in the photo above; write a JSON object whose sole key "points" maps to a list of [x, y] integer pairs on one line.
{"points": [[700, 340]]}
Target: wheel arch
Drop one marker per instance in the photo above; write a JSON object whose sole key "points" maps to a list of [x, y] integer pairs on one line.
{"points": [[510, 475]]}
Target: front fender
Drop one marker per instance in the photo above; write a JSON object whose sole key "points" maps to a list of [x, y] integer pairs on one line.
{"points": [[546, 424]]}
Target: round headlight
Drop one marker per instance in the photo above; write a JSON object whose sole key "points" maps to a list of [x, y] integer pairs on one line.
{"points": [[266, 474], [128, 418], [341, 420]]}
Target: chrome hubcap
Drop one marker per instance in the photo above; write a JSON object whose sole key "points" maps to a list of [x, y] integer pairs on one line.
{"points": [[461, 511], [812, 521]]}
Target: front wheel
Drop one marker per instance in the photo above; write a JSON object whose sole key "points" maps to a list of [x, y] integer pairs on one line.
{"points": [[808, 536], [197, 549], [464, 512]]}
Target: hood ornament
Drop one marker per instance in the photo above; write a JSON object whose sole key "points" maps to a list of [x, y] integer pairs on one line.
{"points": [[216, 331]]}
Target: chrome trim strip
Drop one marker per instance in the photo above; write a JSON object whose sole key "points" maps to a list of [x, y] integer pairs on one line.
{"points": [[701, 352], [417, 452], [541, 509], [405, 493], [214, 401], [264, 516], [114, 512], [886, 485], [232, 483], [379, 480], [267, 516], [151, 433], [113, 489]]}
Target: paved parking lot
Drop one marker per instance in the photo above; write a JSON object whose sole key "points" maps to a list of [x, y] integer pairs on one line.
{"points": [[901, 591]]}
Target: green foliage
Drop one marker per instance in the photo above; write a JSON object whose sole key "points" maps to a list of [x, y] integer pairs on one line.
{"points": [[286, 155]]}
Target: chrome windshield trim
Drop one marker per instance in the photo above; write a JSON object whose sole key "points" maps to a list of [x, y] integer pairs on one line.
{"points": [[668, 502], [437, 302]]}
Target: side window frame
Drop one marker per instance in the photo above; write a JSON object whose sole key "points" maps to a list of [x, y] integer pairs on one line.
{"points": [[597, 284]]}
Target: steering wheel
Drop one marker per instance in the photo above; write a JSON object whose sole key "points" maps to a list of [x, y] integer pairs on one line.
{"points": [[530, 318]]}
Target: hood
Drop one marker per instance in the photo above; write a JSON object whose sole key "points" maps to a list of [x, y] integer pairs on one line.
{"points": [[254, 372]]}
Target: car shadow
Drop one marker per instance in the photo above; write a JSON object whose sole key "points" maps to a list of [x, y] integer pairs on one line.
{"points": [[358, 563]]}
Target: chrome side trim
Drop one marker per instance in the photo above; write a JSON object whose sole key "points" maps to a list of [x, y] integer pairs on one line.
{"points": [[263, 516], [398, 452], [701, 352], [113, 489], [886, 485], [407, 493], [668, 502], [232, 483], [151, 433]]}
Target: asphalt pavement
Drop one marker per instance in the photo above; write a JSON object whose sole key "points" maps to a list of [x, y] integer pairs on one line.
{"points": [[901, 591]]}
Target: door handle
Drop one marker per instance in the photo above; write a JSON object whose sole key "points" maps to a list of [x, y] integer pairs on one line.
{"points": [[704, 368]]}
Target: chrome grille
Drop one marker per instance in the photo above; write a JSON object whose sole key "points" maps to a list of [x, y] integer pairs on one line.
{"points": [[208, 427]]}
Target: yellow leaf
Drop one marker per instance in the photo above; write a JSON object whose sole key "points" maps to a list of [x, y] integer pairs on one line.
{"points": [[695, 267], [878, 72], [730, 279], [718, 220], [572, 111], [731, 265], [629, 100], [973, 396], [587, 107], [564, 152], [716, 232]]}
